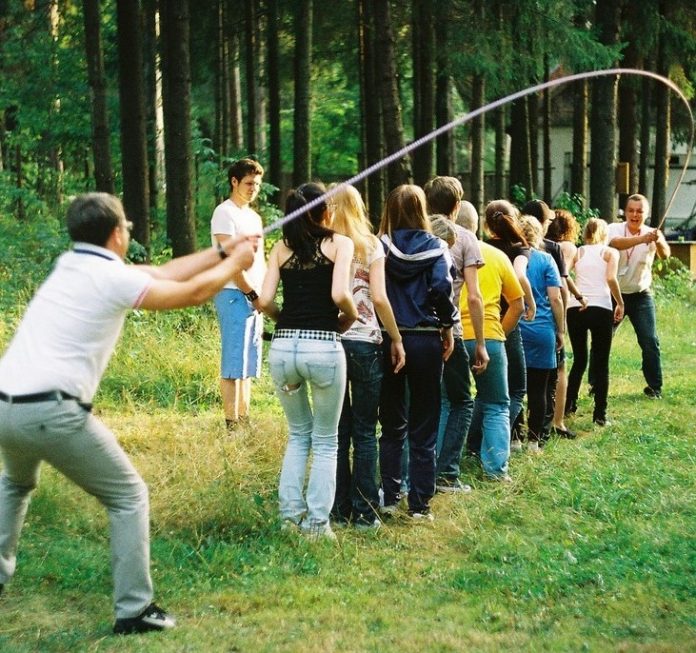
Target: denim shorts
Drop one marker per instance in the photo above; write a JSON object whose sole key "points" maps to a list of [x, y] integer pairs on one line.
{"points": [[241, 329]]}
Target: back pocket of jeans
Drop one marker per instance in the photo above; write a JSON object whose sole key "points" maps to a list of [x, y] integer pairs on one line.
{"points": [[322, 374]]}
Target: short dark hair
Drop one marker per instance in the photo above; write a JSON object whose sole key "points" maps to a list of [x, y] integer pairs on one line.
{"points": [[442, 194], [243, 167], [92, 218]]}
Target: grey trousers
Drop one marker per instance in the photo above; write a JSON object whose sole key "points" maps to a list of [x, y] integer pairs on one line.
{"points": [[79, 446]]}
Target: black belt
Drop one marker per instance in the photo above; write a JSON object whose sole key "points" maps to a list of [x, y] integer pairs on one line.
{"points": [[36, 397]]}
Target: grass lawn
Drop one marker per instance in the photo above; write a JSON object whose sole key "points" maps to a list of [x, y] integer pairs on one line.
{"points": [[591, 548]]}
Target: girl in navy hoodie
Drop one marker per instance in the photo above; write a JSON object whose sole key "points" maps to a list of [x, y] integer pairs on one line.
{"points": [[419, 287]]}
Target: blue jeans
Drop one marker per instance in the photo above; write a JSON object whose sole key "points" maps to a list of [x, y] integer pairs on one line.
{"points": [[356, 489], [456, 410], [639, 307], [492, 408], [296, 365], [416, 419]]}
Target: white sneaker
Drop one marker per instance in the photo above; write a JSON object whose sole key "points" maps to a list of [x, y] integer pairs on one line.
{"points": [[516, 445], [533, 447], [422, 517], [315, 531]]}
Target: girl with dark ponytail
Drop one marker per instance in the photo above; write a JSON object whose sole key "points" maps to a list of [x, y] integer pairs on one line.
{"points": [[315, 267]]}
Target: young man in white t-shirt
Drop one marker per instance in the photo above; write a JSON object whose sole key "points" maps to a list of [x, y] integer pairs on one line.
{"points": [[241, 322], [638, 244], [50, 372]]}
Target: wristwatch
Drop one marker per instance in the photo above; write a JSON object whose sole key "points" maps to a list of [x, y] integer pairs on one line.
{"points": [[221, 251], [252, 295]]}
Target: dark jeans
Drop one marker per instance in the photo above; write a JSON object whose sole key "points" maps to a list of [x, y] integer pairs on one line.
{"points": [[456, 411], [416, 419], [356, 489], [537, 387], [639, 308], [597, 322]]}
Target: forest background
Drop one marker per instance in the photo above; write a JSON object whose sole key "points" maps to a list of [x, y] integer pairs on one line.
{"points": [[153, 100], [591, 547]]}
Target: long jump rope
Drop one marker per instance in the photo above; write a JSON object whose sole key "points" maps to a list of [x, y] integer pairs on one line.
{"points": [[462, 120]]}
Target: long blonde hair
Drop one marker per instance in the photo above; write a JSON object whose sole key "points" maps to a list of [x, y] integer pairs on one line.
{"points": [[350, 219]]}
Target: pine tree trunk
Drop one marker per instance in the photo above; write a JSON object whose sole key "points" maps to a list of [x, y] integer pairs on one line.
{"points": [[233, 101], [500, 152], [152, 126], [398, 172], [603, 127], [302, 161], [372, 111], [423, 87], [176, 97], [646, 96], [520, 157], [101, 148], [478, 139], [273, 63], [533, 127], [136, 193], [250, 60], [443, 96], [546, 136], [578, 176], [662, 127]]}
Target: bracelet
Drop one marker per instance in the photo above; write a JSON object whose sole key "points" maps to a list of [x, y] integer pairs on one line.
{"points": [[221, 251], [252, 295]]}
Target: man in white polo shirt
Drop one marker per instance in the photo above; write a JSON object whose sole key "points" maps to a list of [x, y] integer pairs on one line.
{"points": [[52, 368]]}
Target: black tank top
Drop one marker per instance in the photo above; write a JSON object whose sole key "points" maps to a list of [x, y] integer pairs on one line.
{"points": [[307, 302]]}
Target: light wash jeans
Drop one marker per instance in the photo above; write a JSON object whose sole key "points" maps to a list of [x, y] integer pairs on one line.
{"points": [[492, 408], [79, 446], [296, 365]]}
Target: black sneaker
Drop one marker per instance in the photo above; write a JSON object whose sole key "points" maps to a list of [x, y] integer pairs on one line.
{"points": [[651, 393], [151, 618], [564, 433]]}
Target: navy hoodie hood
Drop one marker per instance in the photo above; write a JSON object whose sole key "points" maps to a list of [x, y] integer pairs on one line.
{"points": [[419, 281]]}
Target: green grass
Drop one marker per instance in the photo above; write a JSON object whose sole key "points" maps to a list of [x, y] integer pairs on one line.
{"points": [[591, 548]]}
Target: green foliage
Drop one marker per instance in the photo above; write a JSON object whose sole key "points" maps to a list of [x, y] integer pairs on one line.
{"points": [[577, 205]]}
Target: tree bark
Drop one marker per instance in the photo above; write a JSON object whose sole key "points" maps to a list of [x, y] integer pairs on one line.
{"points": [[500, 152], [645, 129], [152, 126], [250, 53], [478, 139], [233, 91], [663, 125], [443, 95], [399, 172], [101, 148], [372, 111], [520, 157], [603, 120], [423, 87], [302, 166], [578, 173], [546, 135], [176, 97], [273, 62], [136, 193]]}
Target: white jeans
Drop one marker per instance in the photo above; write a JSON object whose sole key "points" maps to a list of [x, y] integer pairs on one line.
{"points": [[79, 446], [295, 365]]}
